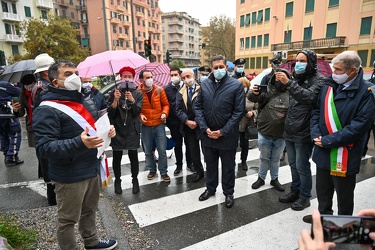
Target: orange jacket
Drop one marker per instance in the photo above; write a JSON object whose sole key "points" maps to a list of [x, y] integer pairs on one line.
{"points": [[159, 105]]}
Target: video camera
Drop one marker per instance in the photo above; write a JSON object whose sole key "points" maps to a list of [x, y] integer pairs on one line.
{"points": [[276, 61]]}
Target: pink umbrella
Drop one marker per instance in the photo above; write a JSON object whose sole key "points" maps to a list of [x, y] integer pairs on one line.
{"points": [[109, 63], [160, 72]]}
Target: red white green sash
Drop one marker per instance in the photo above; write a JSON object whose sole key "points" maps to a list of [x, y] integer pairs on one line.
{"points": [[84, 119], [338, 156]]}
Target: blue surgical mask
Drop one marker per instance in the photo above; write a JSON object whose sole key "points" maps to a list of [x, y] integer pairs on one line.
{"points": [[219, 73], [300, 67], [239, 70], [203, 78]]}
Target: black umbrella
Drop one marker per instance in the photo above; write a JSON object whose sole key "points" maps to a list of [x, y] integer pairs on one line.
{"points": [[16, 71]]}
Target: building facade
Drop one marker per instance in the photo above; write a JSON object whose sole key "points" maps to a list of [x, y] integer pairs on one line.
{"points": [[265, 27], [182, 35]]}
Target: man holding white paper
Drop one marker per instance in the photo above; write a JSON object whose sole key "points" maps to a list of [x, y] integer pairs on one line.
{"points": [[66, 134]]}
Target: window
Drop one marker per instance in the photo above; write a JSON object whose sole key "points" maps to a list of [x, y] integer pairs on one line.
{"points": [[114, 28], [260, 16], [287, 36], [267, 14], [126, 31], [14, 11], [253, 18], [247, 44], [241, 43], [44, 14], [242, 21], [143, 23], [372, 58], [242, 1], [310, 4], [4, 6], [331, 30], [72, 15], [85, 42], [138, 21], [15, 50], [307, 33], [333, 3], [27, 11], [363, 54], [247, 20], [259, 38], [289, 9], [253, 38], [8, 29], [266, 40], [265, 62], [247, 63], [366, 26], [120, 30], [259, 63], [252, 63]]}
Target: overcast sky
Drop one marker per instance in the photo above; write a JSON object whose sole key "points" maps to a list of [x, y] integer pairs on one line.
{"points": [[200, 9]]}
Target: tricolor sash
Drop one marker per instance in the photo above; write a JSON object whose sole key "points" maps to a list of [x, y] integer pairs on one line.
{"points": [[84, 119], [338, 156]]}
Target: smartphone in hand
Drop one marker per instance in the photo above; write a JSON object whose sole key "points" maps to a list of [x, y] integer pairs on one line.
{"points": [[15, 99], [348, 229]]}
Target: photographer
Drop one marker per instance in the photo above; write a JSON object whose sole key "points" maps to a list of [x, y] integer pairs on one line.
{"points": [[126, 104], [273, 107]]}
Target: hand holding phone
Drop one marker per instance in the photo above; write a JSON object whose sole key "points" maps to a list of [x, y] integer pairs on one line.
{"points": [[15, 99]]}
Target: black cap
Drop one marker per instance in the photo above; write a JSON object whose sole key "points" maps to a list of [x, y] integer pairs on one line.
{"points": [[204, 70], [239, 61]]}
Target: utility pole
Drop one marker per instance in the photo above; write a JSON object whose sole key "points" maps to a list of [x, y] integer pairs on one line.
{"points": [[133, 27], [105, 25]]}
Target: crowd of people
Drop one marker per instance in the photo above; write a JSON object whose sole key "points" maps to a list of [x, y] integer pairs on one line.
{"points": [[302, 111]]}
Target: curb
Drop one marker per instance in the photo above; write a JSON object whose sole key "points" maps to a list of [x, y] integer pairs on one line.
{"points": [[111, 224]]}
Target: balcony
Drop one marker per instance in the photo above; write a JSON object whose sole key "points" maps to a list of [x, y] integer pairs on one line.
{"points": [[151, 29], [7, 16], [127, 23], [115, 20], [140, 39], [157, 31], [178, 40], [139, 14], [120, 8], [13, 38], [81, 7], [64, 3], [122, 36], [44, 4], [178, 31], [155, 19], [322, 43]]}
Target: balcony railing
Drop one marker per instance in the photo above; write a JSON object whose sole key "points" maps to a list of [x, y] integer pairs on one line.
{"points": [[12, 17], [180, 40], [115, 20], [13, 38], [178, 31], [120, 8], [333, 42], [64, 3], [122, 36], [44, 4]]}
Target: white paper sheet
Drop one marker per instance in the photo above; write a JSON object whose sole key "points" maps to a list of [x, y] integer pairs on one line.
{"points": [[102, 129]]}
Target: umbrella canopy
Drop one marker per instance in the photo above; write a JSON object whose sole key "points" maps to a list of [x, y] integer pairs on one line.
{"points": [[160, 73], [323, 67], [16, 71], [109, 63]]}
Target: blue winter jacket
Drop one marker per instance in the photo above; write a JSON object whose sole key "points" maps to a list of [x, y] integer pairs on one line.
{"points": [[58, 139], [220, 106], [355, 107]]}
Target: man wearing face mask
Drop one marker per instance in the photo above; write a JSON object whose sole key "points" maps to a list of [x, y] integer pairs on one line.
{"points": [[88, 90], [239, 68], [343, 114], [303, 91], [204, 72], [189, 127], [155, 110], [225, 96], [174, 123], [64, 126], [126, 105]]}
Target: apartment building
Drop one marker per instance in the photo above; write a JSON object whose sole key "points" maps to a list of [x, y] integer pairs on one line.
{"points": [[265, 27], [13, 13], [181, 37]]}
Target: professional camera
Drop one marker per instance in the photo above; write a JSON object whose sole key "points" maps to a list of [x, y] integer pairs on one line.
{"points": [[276, 61]]}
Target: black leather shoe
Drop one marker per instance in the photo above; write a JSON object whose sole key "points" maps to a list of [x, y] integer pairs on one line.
{"points": [[290, 197], [206, 194], [135, 188], [229, 201], [191, 167], [307, 219], [244, 165], [10, 163], [301, 204], [197, 177], [258, 183], [177, 171], [276, 184], [118, 189]]}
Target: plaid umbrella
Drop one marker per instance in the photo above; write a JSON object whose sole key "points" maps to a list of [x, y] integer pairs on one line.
{"points": [[323, 67], [160, 72], [16, 71]]}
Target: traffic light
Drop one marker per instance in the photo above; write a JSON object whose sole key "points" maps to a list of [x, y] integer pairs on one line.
{"points": [[148, 48], [168, 56]]}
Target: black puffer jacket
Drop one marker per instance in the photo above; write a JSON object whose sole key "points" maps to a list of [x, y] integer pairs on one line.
{"points": [[58, 139], [220, 106], [126, 120], [303, 91], [171, 91]]}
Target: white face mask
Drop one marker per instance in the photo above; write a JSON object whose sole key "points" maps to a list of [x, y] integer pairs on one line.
{"points": [[149, 82], [175, 80], [73, 82], [87, 85], [340, 79], [189, 82]]}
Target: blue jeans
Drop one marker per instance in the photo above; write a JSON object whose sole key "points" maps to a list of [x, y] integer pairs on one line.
{"points": [[298, 157], [157, 133], [270, 152]]}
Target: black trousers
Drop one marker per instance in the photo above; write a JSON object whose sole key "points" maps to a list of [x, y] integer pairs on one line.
{"points": [[134, 163], [193, 143], [244, 144], [178, 138], [326, 184], [228, 162]]}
